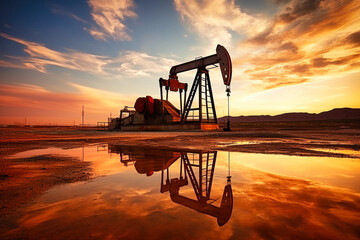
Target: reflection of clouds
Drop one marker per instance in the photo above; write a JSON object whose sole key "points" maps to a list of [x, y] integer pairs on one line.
{"points": [[265, 206], [293, 208], [117, 212]]}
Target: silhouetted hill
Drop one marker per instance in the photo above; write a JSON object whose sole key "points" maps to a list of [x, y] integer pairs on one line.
{"points": [[335, 114]]}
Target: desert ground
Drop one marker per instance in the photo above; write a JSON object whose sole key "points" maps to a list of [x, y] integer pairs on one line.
{"points": [[23, 179]]}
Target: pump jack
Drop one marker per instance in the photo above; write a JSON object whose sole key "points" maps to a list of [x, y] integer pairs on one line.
{"points": [[201, 84], [160, 114]]}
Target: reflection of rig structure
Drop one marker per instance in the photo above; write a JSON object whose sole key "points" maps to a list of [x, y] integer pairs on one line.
{"points": [[145, 160], [161, 114], [197, 166]]}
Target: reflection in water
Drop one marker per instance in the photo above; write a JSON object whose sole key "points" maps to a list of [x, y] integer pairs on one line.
{"points": [[204, 164], [146, 160], [275, 197], [196, 166]]}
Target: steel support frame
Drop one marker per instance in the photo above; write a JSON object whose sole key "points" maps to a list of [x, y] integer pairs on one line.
{"points": [[198, 86]]}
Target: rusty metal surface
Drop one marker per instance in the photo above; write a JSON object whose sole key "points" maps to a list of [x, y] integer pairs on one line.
{"points": [[225, 64]]}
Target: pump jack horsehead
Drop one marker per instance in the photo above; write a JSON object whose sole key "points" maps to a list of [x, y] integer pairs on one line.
{"points": [[206, 107]]}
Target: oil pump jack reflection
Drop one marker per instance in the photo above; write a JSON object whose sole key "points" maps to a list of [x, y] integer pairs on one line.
{"points": [[177, 199], [196, 168]]}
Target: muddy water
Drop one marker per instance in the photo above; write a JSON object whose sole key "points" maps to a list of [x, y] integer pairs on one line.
{"points": [[143, 193]]}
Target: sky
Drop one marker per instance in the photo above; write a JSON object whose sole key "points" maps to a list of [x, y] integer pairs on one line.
{"points": [[287, 55]]}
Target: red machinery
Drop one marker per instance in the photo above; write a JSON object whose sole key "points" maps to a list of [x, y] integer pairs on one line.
{"points": [[146, 160], [160, 114], [144, 104]]}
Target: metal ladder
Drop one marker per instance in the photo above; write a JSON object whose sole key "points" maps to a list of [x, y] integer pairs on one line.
{"points": [[206, 102], [190, 99], [191, 174], [206, 164], [207, 175]]}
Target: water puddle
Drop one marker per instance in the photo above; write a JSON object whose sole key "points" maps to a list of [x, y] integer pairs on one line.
{"points": [[350, 152], [176, 194], [238, 143], [244, 142]]}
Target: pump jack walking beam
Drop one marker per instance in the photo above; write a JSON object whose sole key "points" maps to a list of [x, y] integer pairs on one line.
{"points": [[222, 57]]}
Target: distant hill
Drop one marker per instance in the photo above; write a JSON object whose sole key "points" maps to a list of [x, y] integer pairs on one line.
{"points": [[335, 114]]}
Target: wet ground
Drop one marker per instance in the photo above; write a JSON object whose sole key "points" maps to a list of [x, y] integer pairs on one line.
{"points": [[288, 184]]}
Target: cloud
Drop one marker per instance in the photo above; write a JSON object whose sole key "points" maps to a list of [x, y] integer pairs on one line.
{"points": [[6, 64], [40, 56], [305, 40], [298, 9], [353, 39], [215, 20], [126, 64], [110, 16], [134, 64], [281, 1]]}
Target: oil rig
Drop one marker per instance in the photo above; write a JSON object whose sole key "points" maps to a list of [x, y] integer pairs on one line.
{"points": [[160, 114]]}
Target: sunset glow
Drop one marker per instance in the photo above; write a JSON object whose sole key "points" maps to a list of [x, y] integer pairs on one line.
{"points": [[287, 55]]}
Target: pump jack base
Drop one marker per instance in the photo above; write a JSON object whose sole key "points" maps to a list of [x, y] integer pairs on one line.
{"points": [[188, 126]]}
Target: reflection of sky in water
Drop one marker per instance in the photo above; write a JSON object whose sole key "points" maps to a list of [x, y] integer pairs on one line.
{"points": [[275, 196], [339, 172]]}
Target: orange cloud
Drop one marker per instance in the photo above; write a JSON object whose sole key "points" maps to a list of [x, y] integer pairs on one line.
{"points": [[128, 63], [135, 64], [306, 40], [40, 56], [110, 17], [214, 20], [303, 41]]}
